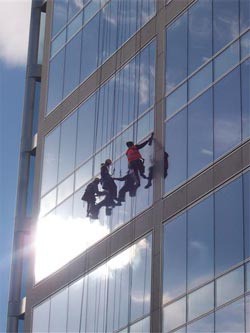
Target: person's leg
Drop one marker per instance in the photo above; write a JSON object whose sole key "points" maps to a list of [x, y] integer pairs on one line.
{"points": [[141, 169], [134, 166]]}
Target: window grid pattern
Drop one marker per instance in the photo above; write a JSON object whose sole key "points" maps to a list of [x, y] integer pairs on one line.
{"points": [[220, 275], [121, 110], [199, 75], [115, 297], [103, 27]]}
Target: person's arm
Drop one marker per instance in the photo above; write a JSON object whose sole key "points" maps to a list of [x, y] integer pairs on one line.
{"points": [[143, 144]]}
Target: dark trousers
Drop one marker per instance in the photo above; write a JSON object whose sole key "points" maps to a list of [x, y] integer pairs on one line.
{"points": [[138, 167]]}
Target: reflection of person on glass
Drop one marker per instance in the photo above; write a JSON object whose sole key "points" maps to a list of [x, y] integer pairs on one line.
{"points": [[108, 183], [129, 186], [90, 194], [165, 164], [135, 160]]}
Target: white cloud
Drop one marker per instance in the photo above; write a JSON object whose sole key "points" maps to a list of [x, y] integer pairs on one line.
{"points": [[14, 31]]}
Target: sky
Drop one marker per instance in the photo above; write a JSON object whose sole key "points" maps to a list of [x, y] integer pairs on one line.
{"points": [[14, 29]]}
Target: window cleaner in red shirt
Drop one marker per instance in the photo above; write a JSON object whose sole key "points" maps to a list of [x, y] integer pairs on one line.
{"points": [[135, 160]]}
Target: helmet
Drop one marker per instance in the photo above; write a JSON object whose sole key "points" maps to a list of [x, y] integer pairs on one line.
{"points": [[96, 180], [108, 161], [129, 144]]}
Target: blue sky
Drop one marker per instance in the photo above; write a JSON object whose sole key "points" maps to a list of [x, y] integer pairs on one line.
{"points": [[13, 54]]}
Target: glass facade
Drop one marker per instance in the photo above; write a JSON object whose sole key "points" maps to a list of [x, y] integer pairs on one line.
{"points": [[84, 34], [120, 111], [209, 267], [207, 86], [115, 297]]}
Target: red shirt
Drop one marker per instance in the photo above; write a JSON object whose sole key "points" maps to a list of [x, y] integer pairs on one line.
{"points": [[133, 154]]}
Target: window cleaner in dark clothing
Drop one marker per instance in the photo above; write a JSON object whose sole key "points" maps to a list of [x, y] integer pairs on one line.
{"points": [[135, 160], [90, 194], [130, 186], [108, 183]]}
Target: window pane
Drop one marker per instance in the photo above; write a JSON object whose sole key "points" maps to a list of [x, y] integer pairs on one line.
{"points": [[176, 55], [200, 133], [83, 174], [230, 319], [245, 102], [226, 22], [41, 317], [174, 270], [74, 26], [246, 184], [201, 301], [248, 276], [228, 216], [59, 15], [72, 65], [200, 34], [55, 81], [74, 306], [67, 146], [58, 312], [174, 315], [65, 188], [50, 160], [64, 211], [230, 286], [226, 60], [176, 146], [58, 42], [200, 243], [85, 130], [74, 7], [204, 325], [48, 202], [248, 313], [245, 45], [227, 113], [89, 47], [141, 279], [118, 291], [200, 81], [141, 326], [244, 14], [176, 100]]}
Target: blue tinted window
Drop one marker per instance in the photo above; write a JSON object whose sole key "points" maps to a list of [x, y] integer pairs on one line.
{"points": [[174, 315], [248, 313], [246, 184], [200, 133], [74, 25], [50, 160], [85, 130], [72, 64], [58, 42], [200, 81], [225, 23], [90, 43], [244, 14], [176, 57], [226, 60], [245, 88], [200, 34], [230, 319], [74, 7], [200, 243], [174, 270], [230, 286], [227, 113], [245, 45], [176, 100], [67, 147], [205, 325], [228, 226], [201, 301], [55, 84], [176, 146], [59, 15]]}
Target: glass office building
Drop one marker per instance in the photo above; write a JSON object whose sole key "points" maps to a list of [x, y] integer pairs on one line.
{"points": [[176, 256]]}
